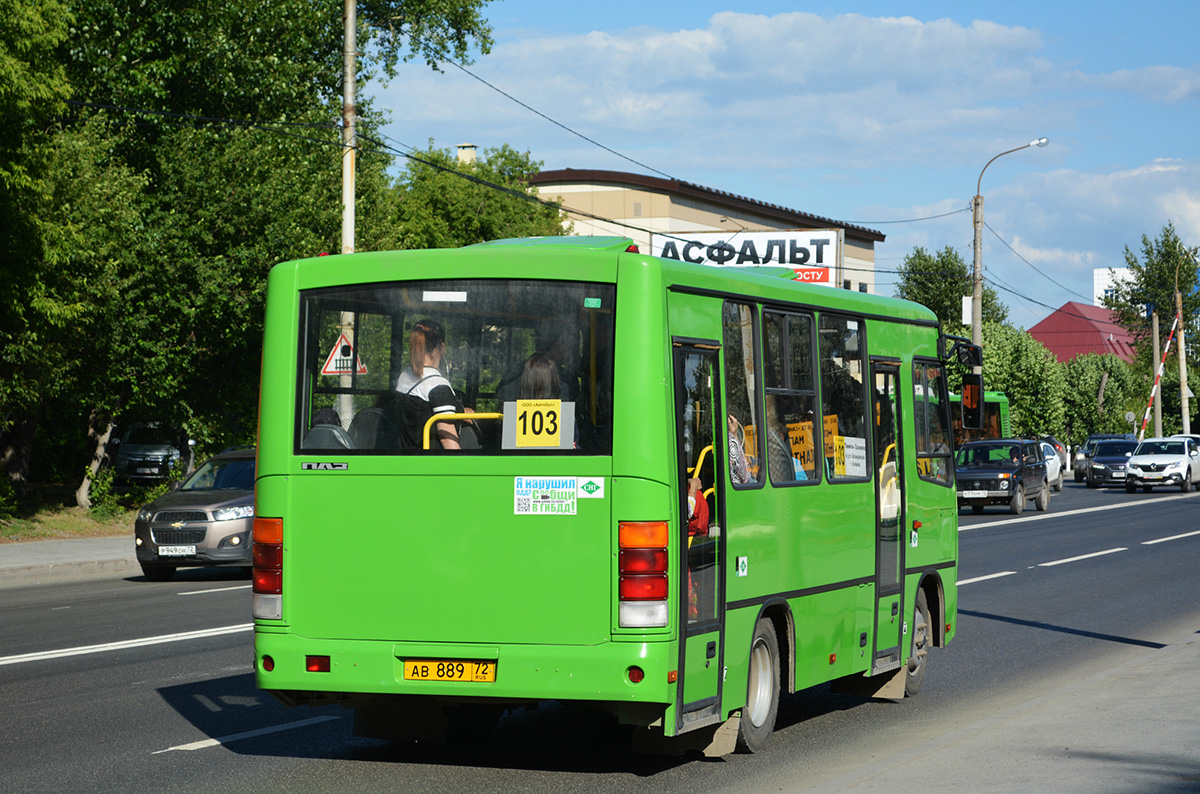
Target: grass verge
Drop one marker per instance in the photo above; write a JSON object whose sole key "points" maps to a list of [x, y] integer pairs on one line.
{"points": [[65, 522]]}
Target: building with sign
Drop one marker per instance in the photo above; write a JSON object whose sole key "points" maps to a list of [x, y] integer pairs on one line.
{"points": [[688, 221]]}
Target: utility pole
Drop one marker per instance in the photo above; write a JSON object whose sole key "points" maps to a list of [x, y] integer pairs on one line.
{"points": [[977, 275], [1183, 387], [345, 402], [1157, 394], [349, 113]]}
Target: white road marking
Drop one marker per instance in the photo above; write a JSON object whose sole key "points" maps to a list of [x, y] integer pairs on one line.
{"points": [[1173, 537], [1081, 557], [216, 590], [205, 743], [123, 644], [985, 578], [1081, 511]]}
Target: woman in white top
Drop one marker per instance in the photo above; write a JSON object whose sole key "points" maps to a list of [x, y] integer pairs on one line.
{"points": [[425, 382]]}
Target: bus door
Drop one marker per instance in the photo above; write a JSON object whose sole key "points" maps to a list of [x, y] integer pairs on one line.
{"points": [[701, 583], [889, 516]]}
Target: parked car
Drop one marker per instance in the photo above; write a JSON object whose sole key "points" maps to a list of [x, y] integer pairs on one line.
{"points": [[1061, 449], [1054, 465], [1002, 471], [206, 520], [1081, 462], [145, 451], [1107, 463], [1163, 461]]}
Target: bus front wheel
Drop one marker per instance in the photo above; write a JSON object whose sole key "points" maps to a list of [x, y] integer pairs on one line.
{"points": [[762, 696]]}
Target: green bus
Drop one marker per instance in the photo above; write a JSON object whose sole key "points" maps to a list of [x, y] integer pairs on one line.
{"points": [[622, 499], [996, 422]]}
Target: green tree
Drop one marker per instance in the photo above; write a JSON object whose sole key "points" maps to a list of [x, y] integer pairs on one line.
{"points": [[32, 87], [157, 231], [1029, 374], [1166, 263], [940, 281], [445, 204], [1122, 392]]}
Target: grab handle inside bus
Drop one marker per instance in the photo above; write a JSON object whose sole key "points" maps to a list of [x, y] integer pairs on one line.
{"points": [[451, 418]]}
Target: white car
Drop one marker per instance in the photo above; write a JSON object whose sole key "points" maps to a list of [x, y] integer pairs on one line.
{"points": [[1163, 461], [1054, 465]]}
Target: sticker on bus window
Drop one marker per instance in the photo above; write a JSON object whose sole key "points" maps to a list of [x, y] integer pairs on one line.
{"points": [[591, 303], [538, 424], [545, 496]]}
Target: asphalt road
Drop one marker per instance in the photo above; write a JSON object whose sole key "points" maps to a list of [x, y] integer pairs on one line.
{"points": [[119, 684]]}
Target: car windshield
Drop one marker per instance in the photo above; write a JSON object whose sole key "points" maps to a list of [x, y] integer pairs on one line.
{"points": [[1160, 448], [1114, 448], [149, 436], [230, 474], [989, 455]]}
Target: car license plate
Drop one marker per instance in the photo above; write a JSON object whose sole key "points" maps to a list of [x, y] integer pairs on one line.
{"points": [[176, 551], [1153, 475], [974, 494], [147, 470], [472, 670]]}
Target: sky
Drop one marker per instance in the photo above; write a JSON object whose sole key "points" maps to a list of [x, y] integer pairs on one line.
{"points": [[879, 114]]}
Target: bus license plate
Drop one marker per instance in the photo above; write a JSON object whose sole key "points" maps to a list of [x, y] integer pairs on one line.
{"points": [[176, 551], [471, 670], [974, 494]]}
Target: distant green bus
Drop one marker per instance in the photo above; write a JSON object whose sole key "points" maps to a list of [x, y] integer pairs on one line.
{"points": [[996, 422], [669, 490]]}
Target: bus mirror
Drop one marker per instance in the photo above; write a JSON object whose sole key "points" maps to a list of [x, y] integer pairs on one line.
{"points": [[972, 402], [969, 356]]}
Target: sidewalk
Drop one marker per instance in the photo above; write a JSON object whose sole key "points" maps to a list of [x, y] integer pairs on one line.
{"points": [[1134, 728], [32, 562]]}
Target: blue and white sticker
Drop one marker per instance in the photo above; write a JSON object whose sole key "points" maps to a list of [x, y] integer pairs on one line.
{"points": [[553, 496]]}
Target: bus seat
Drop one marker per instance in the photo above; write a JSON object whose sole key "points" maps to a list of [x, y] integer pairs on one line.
{"points": [[373, 428], [327, 437]]}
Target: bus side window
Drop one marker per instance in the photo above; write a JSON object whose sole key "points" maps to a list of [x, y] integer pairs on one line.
{"points": [[740, 398]]}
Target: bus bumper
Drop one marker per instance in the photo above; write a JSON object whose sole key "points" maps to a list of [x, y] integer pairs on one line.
{"points": [[284, 666]]}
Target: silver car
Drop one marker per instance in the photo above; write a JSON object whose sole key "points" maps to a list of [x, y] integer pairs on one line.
{"points": [[207, 520], [1163, 461]]}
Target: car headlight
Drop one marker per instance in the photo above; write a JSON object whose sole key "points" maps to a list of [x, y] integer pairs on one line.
{"points": [[230, 513], [145, 514], [1177, 465], [1003, 484], [1097, 465]]}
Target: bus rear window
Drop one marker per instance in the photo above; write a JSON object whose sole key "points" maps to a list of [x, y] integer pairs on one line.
{"points": [[477, 366]]}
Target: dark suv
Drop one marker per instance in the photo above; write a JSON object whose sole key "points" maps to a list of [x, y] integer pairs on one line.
{"points": [[1002, 471], [1083, 455], [206, 520]]}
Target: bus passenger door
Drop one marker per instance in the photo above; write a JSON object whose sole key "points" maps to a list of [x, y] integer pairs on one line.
{"points": [[700, 583], [889, 517]]}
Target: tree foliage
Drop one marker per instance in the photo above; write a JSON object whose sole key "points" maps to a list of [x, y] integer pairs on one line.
{"points": [[445, 204], [1122, 392], [202, 147], [1034, 380], [939, 281]]}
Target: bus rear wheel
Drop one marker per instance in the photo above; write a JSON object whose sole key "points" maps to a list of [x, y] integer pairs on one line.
{"points": [[918, 656], [762, 692]]}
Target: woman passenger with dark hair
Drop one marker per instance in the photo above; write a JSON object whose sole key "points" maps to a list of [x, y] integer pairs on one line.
{"points": [[426, 388]]}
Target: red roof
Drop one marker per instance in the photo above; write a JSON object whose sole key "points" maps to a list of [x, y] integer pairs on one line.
{"points": [[1077, 328]]}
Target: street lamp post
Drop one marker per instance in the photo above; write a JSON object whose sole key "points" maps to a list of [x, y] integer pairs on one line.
{"points": [[977, 280]]}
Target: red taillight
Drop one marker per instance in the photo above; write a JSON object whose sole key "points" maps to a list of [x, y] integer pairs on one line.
{"points": [[316, 664], [270, 582], [632, 249], [642, 564], [643, 561], [268, 555], [644, 587]]}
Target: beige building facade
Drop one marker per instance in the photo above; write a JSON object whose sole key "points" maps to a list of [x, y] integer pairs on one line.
{"points": [[638, 206]]}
